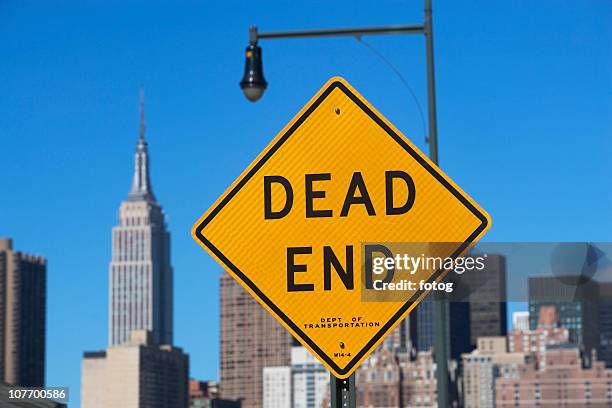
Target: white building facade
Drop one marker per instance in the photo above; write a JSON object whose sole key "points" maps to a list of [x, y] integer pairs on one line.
{"points": [[277, 391], [304, 384], [310, 379]]}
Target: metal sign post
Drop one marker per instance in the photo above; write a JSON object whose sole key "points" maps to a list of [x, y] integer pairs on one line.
{"points": [[343, 392]]}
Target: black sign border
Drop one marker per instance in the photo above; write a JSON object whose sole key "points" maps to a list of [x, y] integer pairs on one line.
{"points": [[385, 329]]}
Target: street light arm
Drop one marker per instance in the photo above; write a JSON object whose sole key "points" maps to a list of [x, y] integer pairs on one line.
{"points": [[254, 35]]}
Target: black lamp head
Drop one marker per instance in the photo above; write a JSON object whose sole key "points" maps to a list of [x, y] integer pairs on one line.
{"points": [[253, 83]]}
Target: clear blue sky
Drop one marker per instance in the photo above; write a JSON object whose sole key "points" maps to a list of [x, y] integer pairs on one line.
{"points": [[525, 108]]}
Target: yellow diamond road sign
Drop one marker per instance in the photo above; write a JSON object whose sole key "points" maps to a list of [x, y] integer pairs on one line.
{"points": [[290, 229]]}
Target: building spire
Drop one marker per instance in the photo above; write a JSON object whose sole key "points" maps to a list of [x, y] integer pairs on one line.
{"points": [[141, 184], [142, 115]]}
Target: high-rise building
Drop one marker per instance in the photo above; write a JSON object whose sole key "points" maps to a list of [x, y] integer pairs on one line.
{"points": [[482, 366], [477, 308], [561, 382], [605, 323], [575, 302], [23, 280], [309, 379], [140, 275], [457, 327], [135, 374], [487, 298], [140, 368], [422, 325], [251, 339], [400, 338]]}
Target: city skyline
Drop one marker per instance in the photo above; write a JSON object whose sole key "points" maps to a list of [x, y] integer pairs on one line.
{"points": [[73, 98]]}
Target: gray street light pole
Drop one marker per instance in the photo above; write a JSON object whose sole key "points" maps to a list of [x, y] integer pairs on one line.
{"points": [[441, 348], [253, 84]]}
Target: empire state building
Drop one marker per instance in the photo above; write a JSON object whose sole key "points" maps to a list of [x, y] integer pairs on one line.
{"points": [[140, 274]]}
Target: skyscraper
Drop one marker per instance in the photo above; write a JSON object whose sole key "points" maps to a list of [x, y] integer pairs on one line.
{"points": [[575, 301], [487, 298], [140, 274], [477, 308], [457, 327], [23, 281], [605, 323], [251, 339], [141, 368]]}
